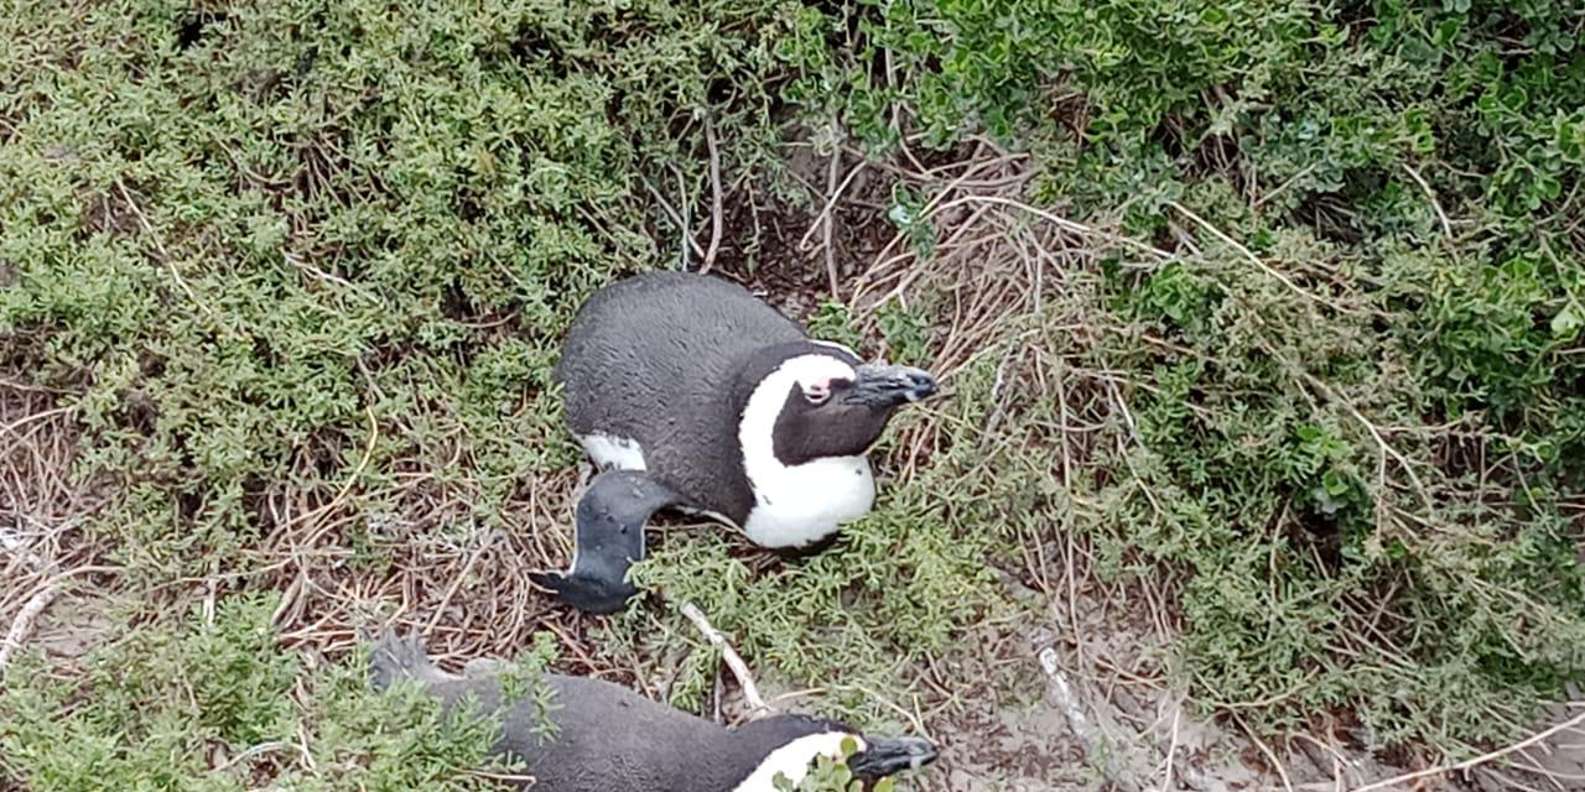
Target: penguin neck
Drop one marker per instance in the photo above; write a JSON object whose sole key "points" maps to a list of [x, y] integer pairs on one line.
{"points": [[786, 746], [793, 505]]}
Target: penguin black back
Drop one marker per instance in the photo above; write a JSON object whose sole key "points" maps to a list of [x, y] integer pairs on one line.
{"points": [[654, 362]]}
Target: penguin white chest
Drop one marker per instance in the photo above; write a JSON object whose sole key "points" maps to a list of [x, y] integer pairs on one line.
{"points": [[798, 504]]}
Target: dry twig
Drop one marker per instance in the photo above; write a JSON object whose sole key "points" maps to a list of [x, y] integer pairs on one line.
{"points": [[715, 198], [1484, 758], [1447, 228], [43, 595], [687, 236], [14, 426], [830, 206], [1253, 259], [22, 625], [1172, 749], [830, 221], [165, 257], [1271, 755], [1381, 442], [734, 661]]}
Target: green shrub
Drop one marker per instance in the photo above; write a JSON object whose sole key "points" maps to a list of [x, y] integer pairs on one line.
{"points": [[242, 236], [200, 705], [1360, 488]]}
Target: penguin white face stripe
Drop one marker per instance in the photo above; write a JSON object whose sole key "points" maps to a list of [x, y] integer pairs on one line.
{"points": [[794, 759], [798, 504]]}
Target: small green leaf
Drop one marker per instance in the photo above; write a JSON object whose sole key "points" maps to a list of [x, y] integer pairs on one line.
{"points": [[850, 746], [1336, 483], [1568, 321]]}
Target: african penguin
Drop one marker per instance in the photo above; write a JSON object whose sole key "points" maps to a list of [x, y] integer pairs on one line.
{"points": [[607, 738], [686, 391]]}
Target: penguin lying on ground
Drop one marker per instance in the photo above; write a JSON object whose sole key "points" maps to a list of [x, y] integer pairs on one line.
{"points": [[607, 738], [686, 391]]}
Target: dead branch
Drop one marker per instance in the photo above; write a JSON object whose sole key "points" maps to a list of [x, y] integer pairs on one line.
{"points": [[22, 625], [734, 661], [1447, 228], [1253, 259]]}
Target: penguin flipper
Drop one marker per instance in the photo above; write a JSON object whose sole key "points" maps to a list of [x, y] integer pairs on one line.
{"points": [[609, 539]]}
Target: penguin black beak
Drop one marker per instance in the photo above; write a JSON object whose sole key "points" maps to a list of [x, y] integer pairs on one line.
{"points": [[884, 756], [882, 386]]}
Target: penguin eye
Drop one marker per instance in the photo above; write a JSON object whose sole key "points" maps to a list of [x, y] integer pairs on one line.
{"points": [[817, 393]]}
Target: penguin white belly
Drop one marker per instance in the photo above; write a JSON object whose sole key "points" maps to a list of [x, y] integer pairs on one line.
{"points": [[798, 504], [613, 453]]}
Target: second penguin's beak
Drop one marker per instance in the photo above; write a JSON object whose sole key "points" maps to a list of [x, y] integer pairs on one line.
{"points": [[880, 386], [883, 756]]}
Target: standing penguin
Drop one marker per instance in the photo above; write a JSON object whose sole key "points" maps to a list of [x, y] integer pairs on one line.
{"points": [[686, 391], [606, 738]]}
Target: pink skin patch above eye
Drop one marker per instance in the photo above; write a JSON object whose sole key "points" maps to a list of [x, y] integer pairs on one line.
{"points": [[817, 391]]}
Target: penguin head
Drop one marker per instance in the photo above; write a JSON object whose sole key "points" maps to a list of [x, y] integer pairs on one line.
{"points": [[817, 399], [791, 744]]}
